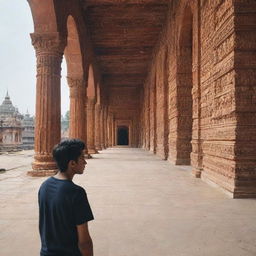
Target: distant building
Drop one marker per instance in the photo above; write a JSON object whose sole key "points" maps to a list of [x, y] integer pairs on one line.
{"points": [[28, 132], [16, 131]]}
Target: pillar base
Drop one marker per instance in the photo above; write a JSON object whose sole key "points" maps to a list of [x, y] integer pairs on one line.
{"points": [[87, 156], [197, 172], [42, 173], [92, 151], [98, 148], [178, 161]]}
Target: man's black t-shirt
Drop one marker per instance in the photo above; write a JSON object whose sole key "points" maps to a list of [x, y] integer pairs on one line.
{"points": [[62, 206]]}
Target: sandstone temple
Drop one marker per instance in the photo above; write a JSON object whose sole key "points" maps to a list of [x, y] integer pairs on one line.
{"points": [[16, 130], [175, 77]]}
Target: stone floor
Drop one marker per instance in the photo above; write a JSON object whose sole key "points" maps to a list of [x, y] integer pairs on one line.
{"points": [[143, 206]]}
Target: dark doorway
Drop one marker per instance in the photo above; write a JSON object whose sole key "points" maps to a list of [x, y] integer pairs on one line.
{"points": [[123, 135]]}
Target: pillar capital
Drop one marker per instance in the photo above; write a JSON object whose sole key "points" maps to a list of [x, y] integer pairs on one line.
{"points": [[75, 82], [77, 87], [91, 102], [49, 43], [49, 49]]}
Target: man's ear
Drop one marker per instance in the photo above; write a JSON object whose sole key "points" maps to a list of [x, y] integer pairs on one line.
{"points": [[71, 163]]}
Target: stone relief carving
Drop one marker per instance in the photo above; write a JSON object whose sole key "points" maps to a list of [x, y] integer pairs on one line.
{"points": [[49, 42]]}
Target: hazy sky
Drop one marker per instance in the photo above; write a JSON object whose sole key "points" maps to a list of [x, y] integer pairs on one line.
{"points": [[17, 58]]}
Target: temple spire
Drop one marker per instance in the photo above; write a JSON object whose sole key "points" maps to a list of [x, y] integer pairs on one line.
{"points": [[7, 95]]}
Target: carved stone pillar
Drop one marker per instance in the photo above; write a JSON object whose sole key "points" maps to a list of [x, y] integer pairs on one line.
{"points": [[110, 124], [91, 126], [108, 131], [102, 127], [77, 116], [49, 52], [97, 128], [196, 141], [105, 125]]}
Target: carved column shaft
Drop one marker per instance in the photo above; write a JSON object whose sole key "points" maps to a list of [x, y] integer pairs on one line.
{"points": [[97, 128], [49, 52], [111, 135], [77, 116], [91, 126], [107, 127], [105, 124], [196, 142], [102, 127]]}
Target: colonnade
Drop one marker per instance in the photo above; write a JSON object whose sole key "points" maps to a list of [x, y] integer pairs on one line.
{"points": [[88, 119]]}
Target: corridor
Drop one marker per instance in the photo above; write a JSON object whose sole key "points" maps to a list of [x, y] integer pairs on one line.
{"points": [[143, 206]]}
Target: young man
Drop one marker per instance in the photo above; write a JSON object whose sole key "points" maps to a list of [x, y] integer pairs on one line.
{"points": [[64, 209]]}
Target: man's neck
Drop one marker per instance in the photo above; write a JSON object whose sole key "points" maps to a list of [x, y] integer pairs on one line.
{"points": [[64, 175]]}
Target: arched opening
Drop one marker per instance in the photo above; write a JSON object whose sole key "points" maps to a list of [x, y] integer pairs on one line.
{"points": [[73, 116], [91, 92], [184, 90], [91, 100], [65, 103], [122, 136], [73, 50]]}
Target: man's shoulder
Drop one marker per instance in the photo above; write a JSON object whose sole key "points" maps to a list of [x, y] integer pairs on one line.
{"points": [[46, 182], [79, 189], [76, 189]]}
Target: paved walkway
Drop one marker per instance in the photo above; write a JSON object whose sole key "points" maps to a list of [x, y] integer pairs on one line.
{"points": [[143, 206]]}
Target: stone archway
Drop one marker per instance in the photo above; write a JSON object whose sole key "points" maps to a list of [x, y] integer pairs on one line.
{"points": [[91, 101], [184, 90], [76, 82]]}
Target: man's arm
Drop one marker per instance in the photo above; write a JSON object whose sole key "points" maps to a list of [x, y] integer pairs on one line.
{"points": [[84, 240]]}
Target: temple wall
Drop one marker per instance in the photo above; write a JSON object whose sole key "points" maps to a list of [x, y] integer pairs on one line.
{"points": [[211, 92], [245, 97], [218, 117]]}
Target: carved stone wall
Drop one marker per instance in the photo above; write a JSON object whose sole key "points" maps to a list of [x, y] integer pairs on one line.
{"points": [[245, 98], [211, 77], [218, 121]]}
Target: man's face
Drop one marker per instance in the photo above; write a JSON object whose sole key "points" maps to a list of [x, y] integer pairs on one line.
{"points": [[80, 164]]}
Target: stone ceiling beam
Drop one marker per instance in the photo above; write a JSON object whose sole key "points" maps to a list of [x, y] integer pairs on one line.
{"points": [[88, 3]]}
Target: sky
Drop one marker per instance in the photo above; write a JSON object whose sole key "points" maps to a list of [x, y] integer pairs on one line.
{"points": [[17, 58]]}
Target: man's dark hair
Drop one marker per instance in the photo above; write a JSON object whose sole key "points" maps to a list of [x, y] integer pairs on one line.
{"points": [[66, 151]]}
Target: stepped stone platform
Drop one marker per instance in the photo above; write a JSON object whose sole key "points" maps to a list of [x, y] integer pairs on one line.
{"points": [[142, 206]]}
